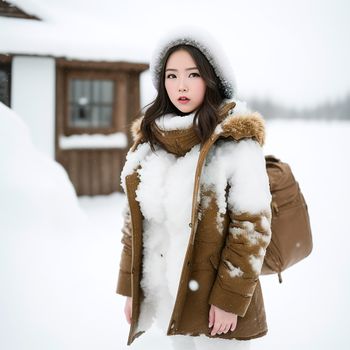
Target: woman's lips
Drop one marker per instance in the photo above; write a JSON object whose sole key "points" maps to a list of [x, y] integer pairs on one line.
{"points": [[184, 101]]}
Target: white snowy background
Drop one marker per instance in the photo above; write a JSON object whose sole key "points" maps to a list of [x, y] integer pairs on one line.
{"points": [[59, 254]]}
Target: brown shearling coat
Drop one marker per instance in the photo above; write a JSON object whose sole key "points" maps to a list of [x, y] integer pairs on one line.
{"points": [[207, 252]]}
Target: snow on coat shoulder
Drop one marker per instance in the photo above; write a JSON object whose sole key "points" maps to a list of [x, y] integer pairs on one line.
{"points": [[241, 165], [247, 176]]}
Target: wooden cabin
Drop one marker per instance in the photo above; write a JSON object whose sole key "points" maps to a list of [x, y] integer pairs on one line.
{"points": [[95, 98], [81, 116]]}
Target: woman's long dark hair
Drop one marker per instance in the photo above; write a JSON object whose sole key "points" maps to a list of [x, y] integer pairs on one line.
{"points": [[207, 113]]}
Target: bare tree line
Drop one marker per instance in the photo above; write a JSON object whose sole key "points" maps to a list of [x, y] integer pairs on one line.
{"points": [[339, 110]]}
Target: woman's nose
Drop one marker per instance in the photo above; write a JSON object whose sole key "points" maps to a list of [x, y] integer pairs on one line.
{"points": [[182, 85]]}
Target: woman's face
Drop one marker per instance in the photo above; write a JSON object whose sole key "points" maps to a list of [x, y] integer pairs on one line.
{"points": [[182, 79]]}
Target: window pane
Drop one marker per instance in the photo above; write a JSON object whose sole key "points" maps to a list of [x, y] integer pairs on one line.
{"points": [[106, 116], [5, 85], [107, 91], [85, 91], [79, 116], [91, 103], [71, 90], [96, 88], [95, 116], [83, 113]]}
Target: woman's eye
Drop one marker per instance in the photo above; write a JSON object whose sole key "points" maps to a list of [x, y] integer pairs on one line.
{"points": [[172, 76]]}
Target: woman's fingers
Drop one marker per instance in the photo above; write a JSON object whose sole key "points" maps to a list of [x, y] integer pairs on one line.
{"points": [[222, 328], [127, 315], [215, 329], [227, 328], [211, 316], [221, 321], [234, 325], [127, 309]]}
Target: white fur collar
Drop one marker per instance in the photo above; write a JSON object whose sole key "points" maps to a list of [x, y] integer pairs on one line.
{"points": [[171, 121]]}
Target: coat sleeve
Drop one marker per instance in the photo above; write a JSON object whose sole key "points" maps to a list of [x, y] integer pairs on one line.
{"points": [[124, 278], [248, 206]]}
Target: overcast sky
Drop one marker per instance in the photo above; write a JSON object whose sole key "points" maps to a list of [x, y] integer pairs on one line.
{"points": [[294, 51]]}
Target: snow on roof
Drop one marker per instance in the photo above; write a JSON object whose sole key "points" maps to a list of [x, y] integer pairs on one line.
{"points": [[65, 32]]}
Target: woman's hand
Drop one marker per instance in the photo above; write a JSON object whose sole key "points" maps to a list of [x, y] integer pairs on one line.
{"points": [[128, 309], [222, 321]]}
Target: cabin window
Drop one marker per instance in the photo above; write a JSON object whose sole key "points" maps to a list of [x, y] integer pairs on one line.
{"points": [[5, 83], [90, 103]]}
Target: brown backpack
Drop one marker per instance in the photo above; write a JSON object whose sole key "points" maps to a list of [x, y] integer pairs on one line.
{"points": [[291, 239]]}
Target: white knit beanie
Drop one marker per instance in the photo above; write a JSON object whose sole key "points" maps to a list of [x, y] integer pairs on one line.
{"points": [[203, 41]]}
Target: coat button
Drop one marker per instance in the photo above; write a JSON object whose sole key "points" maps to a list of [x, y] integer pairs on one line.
{"points": [[190, 224]]}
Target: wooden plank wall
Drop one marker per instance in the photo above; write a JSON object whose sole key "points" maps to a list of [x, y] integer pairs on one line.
{"points": [[93, 172]]}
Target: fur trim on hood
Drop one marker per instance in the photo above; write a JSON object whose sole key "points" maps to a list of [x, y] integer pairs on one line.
{"points": [[237, 121], [203, 41]]}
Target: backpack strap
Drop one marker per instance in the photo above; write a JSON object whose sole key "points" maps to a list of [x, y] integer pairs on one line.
{"points": [[272, 158], [280, 277]]}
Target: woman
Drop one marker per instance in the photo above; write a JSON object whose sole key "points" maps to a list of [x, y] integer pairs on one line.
{"points": [[198, 218]]}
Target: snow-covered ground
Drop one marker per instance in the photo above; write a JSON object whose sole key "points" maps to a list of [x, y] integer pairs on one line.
{"points": [[59, 256]]}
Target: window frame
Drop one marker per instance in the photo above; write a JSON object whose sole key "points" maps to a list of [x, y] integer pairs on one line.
{"points": [[91, 75]]}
